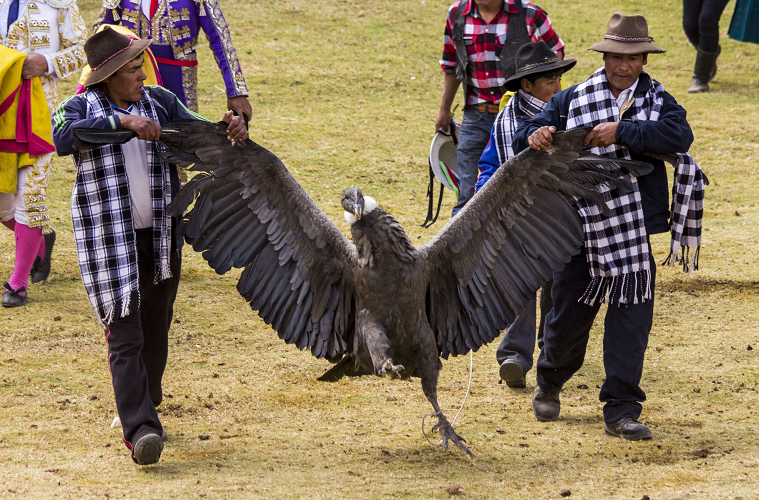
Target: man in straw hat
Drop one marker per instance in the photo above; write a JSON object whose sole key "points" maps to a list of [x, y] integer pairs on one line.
{"points": [[537, 79], [128, 255], [631, 116], [480, 40]]}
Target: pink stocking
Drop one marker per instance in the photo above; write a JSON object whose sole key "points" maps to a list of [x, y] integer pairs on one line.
{"points": [[28, 241], [41, 251]]}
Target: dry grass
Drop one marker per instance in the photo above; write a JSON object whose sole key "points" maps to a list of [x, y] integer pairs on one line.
{"points": [[347, 92]]}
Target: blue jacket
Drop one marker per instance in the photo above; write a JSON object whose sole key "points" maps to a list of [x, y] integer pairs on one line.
{"points": [[671, 133]]}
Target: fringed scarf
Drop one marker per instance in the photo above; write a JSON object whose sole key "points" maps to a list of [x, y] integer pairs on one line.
{"points": [[101, 212], [617, 247], [522, 106]]}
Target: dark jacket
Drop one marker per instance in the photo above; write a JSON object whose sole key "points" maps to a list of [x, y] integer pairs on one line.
{"points": [[73, 113], [669, 134]]}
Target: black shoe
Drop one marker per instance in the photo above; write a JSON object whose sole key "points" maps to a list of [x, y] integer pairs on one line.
{"points": [[164, 436], [41, 267], [11, 297], [546, 405], [512, 373], [148, 449], [628, 428]]}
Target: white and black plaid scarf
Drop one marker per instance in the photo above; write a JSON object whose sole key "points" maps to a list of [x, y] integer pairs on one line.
{"points": [[617, 247], [101, 211], [522, 106]]}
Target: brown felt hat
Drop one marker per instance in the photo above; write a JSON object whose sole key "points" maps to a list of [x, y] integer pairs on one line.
{"points": [[627, 35], [107, 51], [535, 57]]}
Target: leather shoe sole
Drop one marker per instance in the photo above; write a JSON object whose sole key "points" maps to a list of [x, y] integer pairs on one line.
{"points": [[148, 449], [512, 373]]}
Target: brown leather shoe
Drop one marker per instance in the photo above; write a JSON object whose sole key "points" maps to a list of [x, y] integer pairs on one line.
{"points": [[546, 405], [628, 428]]}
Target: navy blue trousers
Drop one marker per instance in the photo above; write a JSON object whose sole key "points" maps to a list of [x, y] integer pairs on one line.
{"points": [[138, 345], [518, 343], [565, 339]]}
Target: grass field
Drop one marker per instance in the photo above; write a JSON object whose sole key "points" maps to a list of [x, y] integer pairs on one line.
{"points": [[347, 92]]}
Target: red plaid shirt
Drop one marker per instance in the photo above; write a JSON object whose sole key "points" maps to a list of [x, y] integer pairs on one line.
{"points": [[485, 82]]}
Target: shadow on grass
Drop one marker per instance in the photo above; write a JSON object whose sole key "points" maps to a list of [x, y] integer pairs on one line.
{"points": [[702, 286]]}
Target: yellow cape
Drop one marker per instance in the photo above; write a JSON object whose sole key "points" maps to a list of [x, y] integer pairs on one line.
{"points": [[11, 63], [149, 66]]}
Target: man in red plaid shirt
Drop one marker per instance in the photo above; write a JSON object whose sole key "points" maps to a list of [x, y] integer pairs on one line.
{"points": [[483, 29]]}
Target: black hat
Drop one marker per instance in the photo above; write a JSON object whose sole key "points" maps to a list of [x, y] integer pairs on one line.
{"points": [[534, 58]]}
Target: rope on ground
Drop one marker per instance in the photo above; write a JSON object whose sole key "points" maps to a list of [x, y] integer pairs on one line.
{"points": [[471, 364]]}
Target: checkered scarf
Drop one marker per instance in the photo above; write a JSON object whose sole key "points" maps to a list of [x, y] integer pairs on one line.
{"points": [[617, 247], [521, 106], [101, 212]]}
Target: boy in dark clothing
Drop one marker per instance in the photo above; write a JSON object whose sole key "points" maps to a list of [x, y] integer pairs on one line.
{"points": [[537, 79]]}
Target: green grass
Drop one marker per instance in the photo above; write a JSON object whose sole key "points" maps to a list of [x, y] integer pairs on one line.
{"points": [[346, 93]]}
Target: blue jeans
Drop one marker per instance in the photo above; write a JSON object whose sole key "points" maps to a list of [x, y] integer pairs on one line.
{"points": [[473, 137], [565, 340]]}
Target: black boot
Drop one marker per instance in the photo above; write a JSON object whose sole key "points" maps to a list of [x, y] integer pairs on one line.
{"points": [[703, 71], [41, 267]]}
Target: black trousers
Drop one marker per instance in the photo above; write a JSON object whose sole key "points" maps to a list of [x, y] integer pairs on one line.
{"points": [[701, 23], [565, 339], [138, 345]]}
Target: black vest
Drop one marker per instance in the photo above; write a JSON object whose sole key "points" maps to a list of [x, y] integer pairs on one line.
{"points": [[516, 36]]}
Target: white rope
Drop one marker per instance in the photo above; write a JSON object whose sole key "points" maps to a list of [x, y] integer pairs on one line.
{"points": [[471, 363]]}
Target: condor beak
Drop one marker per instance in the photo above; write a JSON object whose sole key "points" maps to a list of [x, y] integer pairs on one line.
{"points": [[357, 211]]}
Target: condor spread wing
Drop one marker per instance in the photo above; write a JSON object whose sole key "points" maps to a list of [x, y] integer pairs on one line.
{"points": [[509, 239], [250, 212]]}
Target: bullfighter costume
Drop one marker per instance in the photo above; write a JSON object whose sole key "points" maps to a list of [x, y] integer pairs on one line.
{"points": [[173, 27], [54, 29], [473, 51], [616, 265]]}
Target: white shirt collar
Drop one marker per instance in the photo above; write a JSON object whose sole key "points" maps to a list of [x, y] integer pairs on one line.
{"points": [[625, 94]]}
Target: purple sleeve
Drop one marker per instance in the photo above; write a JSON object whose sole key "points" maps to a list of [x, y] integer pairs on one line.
{"points": [[106, 17], [215, 27]]}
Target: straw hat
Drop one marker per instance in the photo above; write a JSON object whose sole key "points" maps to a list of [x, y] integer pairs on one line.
{"points": [[107, 51], [443, 157], [627, 35]]}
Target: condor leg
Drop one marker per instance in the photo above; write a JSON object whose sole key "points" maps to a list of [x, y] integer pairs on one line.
{"points": [[429, 366], [374, 345]]}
